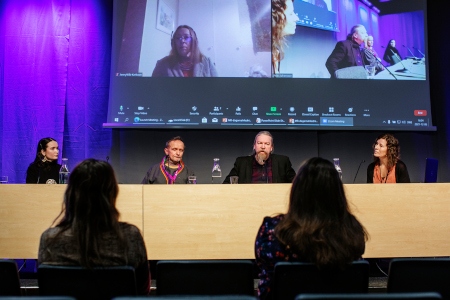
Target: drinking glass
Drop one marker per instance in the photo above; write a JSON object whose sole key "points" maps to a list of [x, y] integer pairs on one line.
{"points": [[370, 69], [192, 179], [234, 179]]}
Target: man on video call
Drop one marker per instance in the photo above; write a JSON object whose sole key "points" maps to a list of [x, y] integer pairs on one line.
{"points": [[348, 53], [262, 166], [171, 170]]}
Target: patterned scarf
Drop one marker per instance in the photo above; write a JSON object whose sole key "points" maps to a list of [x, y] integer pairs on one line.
{"points": [[170, 179]]}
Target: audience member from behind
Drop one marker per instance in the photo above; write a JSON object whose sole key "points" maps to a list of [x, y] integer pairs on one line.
{"points": [[387, 167], [171, 169], [391, 55], [45, 167], [347, 53], [284, 23], [185, 58], [262, 166], [317, 228], [370, 55], [88, 232]]}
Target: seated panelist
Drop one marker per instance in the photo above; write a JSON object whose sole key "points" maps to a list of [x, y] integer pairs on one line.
{"points": [[387, 167], [262, 166], [45, 167], [171, 169]]}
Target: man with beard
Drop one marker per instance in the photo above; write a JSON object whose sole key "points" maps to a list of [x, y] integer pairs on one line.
{"points": [[171, 169], [262, 166]]}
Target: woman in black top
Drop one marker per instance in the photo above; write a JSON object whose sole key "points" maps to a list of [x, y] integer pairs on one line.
{"points": [[391, 55], [45, 167]]}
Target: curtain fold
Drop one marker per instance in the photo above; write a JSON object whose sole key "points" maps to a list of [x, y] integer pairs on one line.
{"points": [[54, 80]]}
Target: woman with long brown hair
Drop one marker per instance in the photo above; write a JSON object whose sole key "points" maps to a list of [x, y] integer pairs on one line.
{"points": [[284, 23], [89, 233], [317, 228]]}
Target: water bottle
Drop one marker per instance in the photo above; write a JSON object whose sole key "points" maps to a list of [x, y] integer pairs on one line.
{"points": [[216, 171], [338, 167], [64, 172]]}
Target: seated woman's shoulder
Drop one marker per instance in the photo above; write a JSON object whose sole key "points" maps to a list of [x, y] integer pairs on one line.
{"points": [[273, 220], [129, 228]]}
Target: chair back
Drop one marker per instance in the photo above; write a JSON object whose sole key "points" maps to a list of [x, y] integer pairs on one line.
{"points": [[408, 275], [355, 72], [371, 296], [192, 297], [292, 279], [431, 169], [83, 283], [209, 277], [9, 278], [37, 298]]}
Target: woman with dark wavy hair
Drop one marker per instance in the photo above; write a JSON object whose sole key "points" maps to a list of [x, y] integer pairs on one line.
{"points": [[387, 166], [284, 22], [317, 228], [88, 232], [185, 58], [45, 167]]}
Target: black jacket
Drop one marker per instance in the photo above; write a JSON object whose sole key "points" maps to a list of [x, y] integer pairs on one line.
{"points": [[282, 171]]}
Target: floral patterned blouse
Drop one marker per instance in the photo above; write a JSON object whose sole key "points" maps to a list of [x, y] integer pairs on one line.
{"points": [[269, 251]]}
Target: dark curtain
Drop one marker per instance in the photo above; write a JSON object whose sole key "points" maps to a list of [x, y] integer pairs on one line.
{"points": [[54, 80]]}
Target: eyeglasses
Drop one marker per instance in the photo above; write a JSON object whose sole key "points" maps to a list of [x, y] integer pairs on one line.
{"points": [[186, 38]]}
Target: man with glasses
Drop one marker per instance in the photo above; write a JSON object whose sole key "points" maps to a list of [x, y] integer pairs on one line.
{"points": [[185, 58]]}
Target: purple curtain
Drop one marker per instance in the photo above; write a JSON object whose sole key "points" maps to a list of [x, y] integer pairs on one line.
{"points": [[54, 66]]}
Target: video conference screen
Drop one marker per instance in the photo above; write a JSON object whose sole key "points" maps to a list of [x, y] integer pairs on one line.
{"points": [[270, 64]]}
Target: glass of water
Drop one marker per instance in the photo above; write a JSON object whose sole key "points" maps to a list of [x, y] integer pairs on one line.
{"points": [[192, 179], [370, 69]]}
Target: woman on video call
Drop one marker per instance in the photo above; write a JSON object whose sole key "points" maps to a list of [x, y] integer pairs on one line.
{"points": [[284, 22], [387, 167], [185, 58], [391, 55]]}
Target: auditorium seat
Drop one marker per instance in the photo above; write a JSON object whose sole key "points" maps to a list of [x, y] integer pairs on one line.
{"points": [[419, 275], [355, 72], [188, 297], [393, 296], [37, 298], [82, 283], [204, 277], [9, 278], [292, 279]]}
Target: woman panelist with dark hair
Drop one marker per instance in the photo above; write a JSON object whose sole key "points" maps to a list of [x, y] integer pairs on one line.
{"points": [[391, 55], [89, 233], [45, 167], [387, 167], [317, 228], [185, 58]]}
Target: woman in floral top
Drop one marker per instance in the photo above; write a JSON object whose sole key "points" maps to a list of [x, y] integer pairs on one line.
{"points": [[318, 226]]}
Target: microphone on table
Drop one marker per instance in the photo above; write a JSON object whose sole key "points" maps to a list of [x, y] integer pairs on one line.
{"points": [[379, 60], [419, 52], [363, 161], [414, 57]]}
